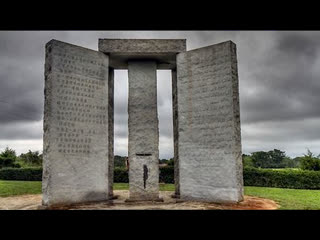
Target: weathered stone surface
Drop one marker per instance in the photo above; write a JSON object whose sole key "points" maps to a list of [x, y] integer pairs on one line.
{"points": [[163, 51], [76, 134], [143, 131], [111, 130], [209, 146], [142, 45], [175, 131]]}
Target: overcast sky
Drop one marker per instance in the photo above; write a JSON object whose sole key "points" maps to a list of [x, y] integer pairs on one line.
{"points": [[279, 76]]}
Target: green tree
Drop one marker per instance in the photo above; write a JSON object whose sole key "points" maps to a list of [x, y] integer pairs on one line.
{"points": [[161, 161], [8, 158], [31, 158], [170, 162], [291, 163], [310, 162], [8, 152], [270, 159], [276, 158], [119, 161], [260, 159], [247, 161]]}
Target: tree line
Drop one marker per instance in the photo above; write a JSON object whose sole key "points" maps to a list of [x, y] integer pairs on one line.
{"points": [[261, 159], [278, 159], [9, 159]]}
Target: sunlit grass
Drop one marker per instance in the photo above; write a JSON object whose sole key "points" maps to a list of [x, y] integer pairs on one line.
{"points": [[288, 198], [11, 188]]}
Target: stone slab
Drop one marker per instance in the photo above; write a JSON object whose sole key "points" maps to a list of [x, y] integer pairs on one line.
{"points": [[142, 45], [76, 134], [209, 145], [163, 51], [111, 130], [143, 147], [175, 130]]}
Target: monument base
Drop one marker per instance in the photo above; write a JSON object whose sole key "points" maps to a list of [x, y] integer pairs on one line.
{"points": [[175, 196], [113, 197], [72, 205], [132, 200]]}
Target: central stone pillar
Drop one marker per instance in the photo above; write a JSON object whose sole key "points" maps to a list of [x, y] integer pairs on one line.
{"points": [[143, 149]]}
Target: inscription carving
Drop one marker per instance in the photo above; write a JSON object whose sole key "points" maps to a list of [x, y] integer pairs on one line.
{"points": [[78, 82], [76, 131], [209, 123]]}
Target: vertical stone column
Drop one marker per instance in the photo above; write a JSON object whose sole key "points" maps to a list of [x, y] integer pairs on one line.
{"points": [[111, 130], [175, 131], [143, 148]]}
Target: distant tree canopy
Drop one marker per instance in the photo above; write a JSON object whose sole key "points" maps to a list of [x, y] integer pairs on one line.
{"points": [[310, 162], [261, 159], [161, 161], [170, 162], [31, 158], [8, 158], [247, 161], [119, 161], [270, 159]]}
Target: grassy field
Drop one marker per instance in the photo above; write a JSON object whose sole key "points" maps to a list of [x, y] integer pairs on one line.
{"points": [[286, 198], [295, 199], [10, 188]]}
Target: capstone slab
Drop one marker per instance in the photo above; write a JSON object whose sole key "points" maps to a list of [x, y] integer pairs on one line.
{"points": [[163, 51], [142, 45]]}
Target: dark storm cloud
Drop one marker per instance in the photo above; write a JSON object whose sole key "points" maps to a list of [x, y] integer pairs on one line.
{"points": [[20, 94], [21, 77], [286, 131], [21, 130], [299, 44], [22, 74], [286, 85], [21, 108]]}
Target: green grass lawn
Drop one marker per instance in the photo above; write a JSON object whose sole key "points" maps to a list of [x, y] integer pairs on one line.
{"points": [[286, 198], [10, 188]]}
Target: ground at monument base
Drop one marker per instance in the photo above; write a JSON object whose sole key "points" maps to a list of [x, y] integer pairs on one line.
{"points": [[33, 202]]}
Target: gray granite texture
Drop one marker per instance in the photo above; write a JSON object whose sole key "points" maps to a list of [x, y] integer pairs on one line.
{"points": [[163, 51], [143, 131], [209, 137], [76, 142], [142, 45]]}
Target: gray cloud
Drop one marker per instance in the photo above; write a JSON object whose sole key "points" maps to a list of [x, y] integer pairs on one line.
{"points": [[285, 86], [21, 131]]}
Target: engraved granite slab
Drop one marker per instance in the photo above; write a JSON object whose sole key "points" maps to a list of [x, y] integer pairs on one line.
{"points": [[209, 137], [76, 134]]}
